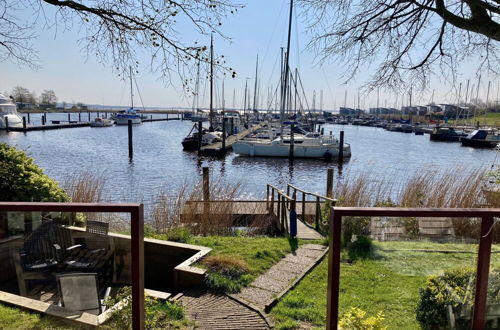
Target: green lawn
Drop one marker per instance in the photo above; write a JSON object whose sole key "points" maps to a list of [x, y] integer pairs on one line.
{"points": [[389, 282], [490, 119]]}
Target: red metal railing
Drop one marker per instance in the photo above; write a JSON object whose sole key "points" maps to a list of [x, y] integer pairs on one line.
{"points": [[137, 241], [483, 262]]}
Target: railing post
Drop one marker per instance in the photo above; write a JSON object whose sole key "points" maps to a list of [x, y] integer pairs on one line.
{"points": [[288, 189], [137, 246], [272, 201], [318, 213], [304, 206], [267, 197], [483, 269], [332, 312], [293, 215], [206, 192]]}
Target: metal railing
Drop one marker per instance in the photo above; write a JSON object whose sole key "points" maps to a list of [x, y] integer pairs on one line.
{"points": [[283, 207], [483, 261], [136, 212], [317, 199]]}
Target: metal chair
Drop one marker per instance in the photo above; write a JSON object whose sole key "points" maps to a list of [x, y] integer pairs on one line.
{"points": [[80, 292]]}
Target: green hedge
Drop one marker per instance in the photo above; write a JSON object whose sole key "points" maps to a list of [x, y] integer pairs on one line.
{"points": [[21, 180]]}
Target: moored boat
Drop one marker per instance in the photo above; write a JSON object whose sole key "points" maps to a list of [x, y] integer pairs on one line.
{"points": [[102, 122], [446, 134], [8, 110], [481, 139]]}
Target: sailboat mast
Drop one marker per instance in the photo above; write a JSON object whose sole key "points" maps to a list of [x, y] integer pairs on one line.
{"points": [[255, 87], [131, 90], [211, 115], [287, 68]]}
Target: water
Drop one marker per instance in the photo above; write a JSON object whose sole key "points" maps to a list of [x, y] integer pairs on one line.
{"points": [[159, 160]]}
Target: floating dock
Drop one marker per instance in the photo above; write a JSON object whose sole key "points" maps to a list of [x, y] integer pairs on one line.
{"points": [[48, 127], [216, 148]]}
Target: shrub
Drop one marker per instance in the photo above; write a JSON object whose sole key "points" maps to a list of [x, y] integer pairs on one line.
{"points": [[455, 287], [354, 226], [21, 180], [354, 319], [360, 247], [226, 274]]}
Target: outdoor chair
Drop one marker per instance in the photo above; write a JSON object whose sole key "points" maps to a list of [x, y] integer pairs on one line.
{"points": [[80, 292], [40, 255]]}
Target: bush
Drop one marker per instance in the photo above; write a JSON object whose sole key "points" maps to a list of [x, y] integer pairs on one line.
{"points": [[456, 287], [353, 227], [21, 180], [226, 274], [360, 247], [354, 319]]}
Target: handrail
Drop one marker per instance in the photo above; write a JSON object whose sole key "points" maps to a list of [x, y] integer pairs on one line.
{"points": [[311, 193], [483, 261], [284, 203]]}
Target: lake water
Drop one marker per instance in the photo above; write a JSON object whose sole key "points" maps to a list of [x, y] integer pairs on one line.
{"points": [[159, 160]]}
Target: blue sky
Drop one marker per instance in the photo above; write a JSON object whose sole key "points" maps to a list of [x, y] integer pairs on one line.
{"points": [[259, 28]]}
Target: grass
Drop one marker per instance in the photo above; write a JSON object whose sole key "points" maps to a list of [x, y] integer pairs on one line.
{"points": [[388, 282], [15, 318]]}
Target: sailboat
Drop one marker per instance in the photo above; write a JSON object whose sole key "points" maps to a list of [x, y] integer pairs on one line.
{"points": [[122, 117], [309, 145], [8, 112]]}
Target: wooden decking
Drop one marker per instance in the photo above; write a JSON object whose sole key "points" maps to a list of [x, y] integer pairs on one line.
{"points": [[216, 148]]}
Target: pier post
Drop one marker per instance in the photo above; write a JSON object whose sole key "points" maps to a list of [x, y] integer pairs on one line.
{"points": [[69, 117], [79, 116], [105, 114], [291, 140], [130, 143], [341, 146], [24, 123], [231, 121], [28, 117], [206, 192], [223, 133], [6, 124], [88, 112], [322, 131], [329, 182], [151, 117], [167, 116], [200, 134], [44, 118], [293, 215]]}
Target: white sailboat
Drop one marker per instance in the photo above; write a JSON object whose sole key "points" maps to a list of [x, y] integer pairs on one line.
{"points": [[122, 117], [310, 145], [8, 110]]}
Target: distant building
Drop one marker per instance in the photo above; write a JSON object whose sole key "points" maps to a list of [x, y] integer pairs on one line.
{"points": [[431, 108], [350, 112], [383, 111]]}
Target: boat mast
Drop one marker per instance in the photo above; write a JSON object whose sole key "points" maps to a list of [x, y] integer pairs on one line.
{"points": [[131, 90], [211, 115], [255, 87], [287, 68]]}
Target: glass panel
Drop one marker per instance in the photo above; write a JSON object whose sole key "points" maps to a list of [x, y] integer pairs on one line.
{"points": [[416, 272]]}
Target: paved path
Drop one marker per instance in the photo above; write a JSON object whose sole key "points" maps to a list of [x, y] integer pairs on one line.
{"points": [[212, 311], [268, 288]]}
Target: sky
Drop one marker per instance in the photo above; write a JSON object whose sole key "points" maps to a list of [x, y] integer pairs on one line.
{"points": [[258, 29]]}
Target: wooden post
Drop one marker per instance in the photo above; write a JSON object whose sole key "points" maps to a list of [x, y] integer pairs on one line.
{"points": [[130, 142], [332, 311], [44, 118], [291, 141], [200, 134], [28, 117], [293, 215], [267, 197], [304, 206], [167, 116], [322, 131], [341, 146], [329, 183], [231, 121], [79, 116], [206, 193], [88, 112], [272, 201], [318, 213], [483, 269], [69, 117], [223, 133], [6, 124], [24, 123]]}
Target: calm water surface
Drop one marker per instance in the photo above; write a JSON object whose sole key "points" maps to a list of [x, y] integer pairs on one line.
{"points": [[159, 160]]}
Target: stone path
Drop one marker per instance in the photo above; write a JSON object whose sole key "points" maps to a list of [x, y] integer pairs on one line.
{"points": [[212, 311], [268, 288], [306, 232]]}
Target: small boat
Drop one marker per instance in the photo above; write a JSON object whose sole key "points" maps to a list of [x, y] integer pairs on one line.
{"points": [[481, 139], [102, 122], [122, 117], [446, 134], [8, 110], [191, 141]]}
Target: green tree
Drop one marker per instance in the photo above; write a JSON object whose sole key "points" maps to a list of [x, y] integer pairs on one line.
{"points": [[48, 97], [21, 180], [23, 95]]}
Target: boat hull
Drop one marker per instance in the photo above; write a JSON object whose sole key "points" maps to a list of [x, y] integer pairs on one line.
{"points": [[273, 150], [477, 143], [124, 121], [444, 137], [190, 144], [14, 120]]}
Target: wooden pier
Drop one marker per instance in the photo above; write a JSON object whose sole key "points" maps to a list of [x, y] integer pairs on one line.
{"points": [[48, 127], [216, 148]]}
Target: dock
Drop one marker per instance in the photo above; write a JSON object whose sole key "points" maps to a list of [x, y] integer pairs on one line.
{"points": [[216, 148], [48, 127]]}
